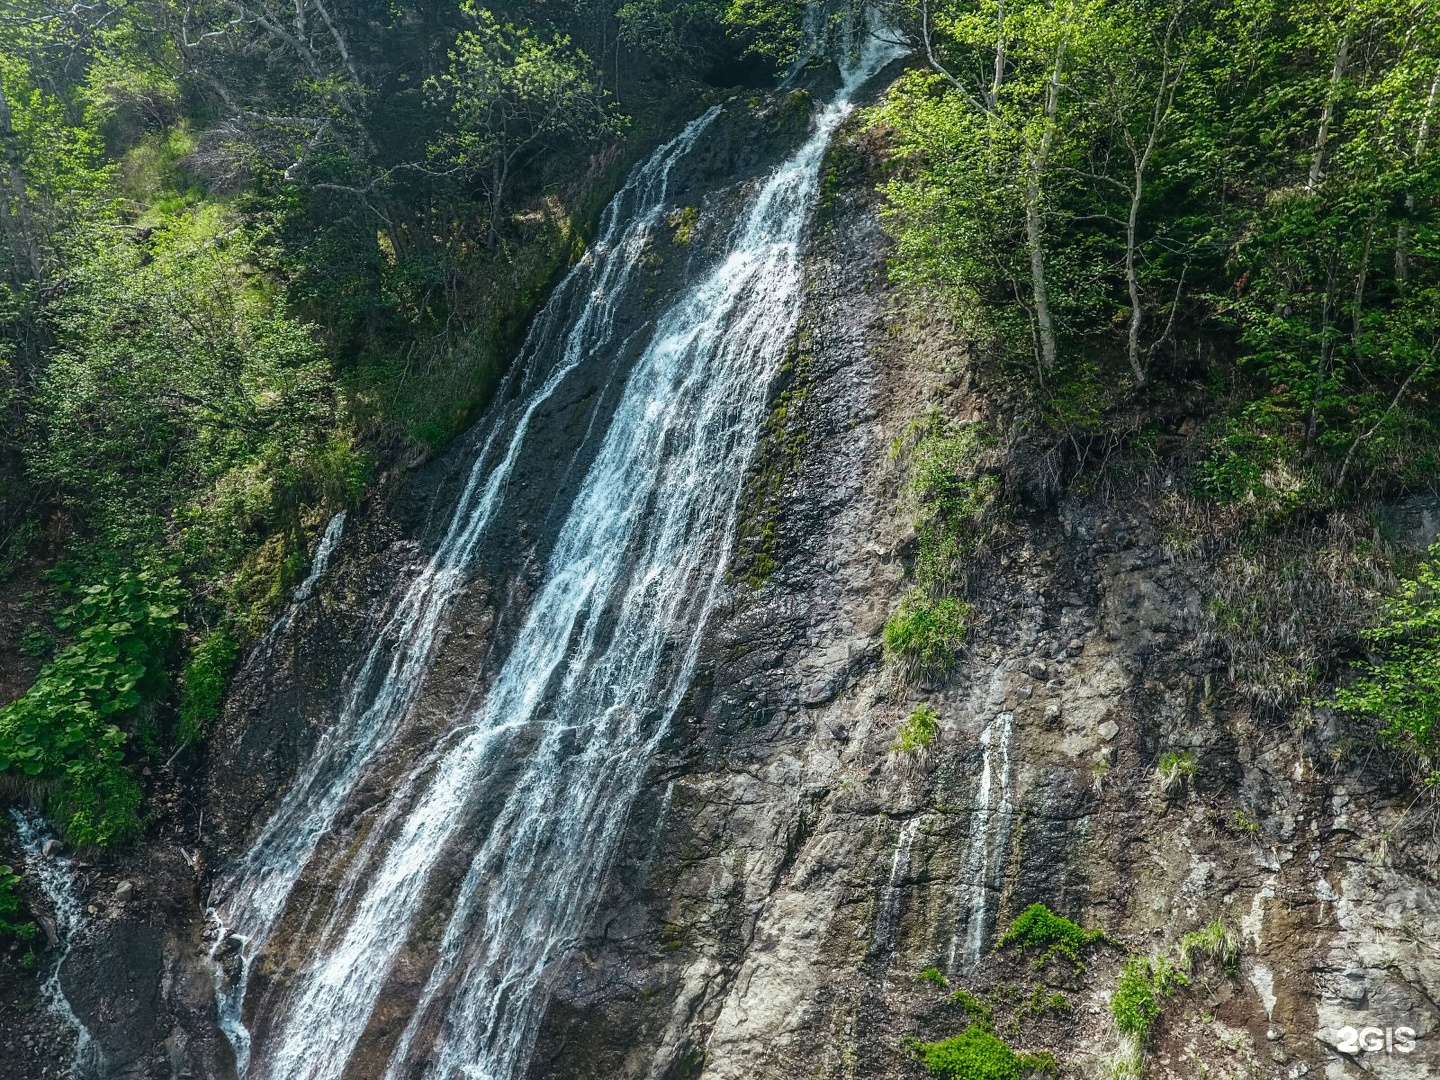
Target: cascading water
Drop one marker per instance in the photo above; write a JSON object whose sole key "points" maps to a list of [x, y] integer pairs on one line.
{"points": [[888, 919], [989, 825], [598, 666], [251, 896], [58, 884]]}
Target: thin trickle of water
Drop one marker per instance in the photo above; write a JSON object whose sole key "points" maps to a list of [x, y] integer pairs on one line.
{"points": [[251, 895], [598, 668], [58, 884], [324, 550], [989, 826], [887, 920]]}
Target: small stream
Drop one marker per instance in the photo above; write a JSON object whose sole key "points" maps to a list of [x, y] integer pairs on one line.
{"points": [[57, 882]]}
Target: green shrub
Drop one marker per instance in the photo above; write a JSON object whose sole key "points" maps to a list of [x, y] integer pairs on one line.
{"points": [[64, 733], [976, 1054], [950, 494], [1037, 927], [934, 975], [10, 906], [923, 636], [1140, 993], [919, 731], [1400, 691], [203, 683]]}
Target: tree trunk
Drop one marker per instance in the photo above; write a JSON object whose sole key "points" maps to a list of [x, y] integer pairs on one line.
{"points": [[1034, 223], [992, 98], [1402, 254], [1328, 113]]}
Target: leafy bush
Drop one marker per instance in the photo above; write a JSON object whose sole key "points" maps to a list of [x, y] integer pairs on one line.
{"points": [[64, 732], [976, 1054], [203, 683], [1140, 992], [1400, 691], [10, 904], [950, 493], [925, 633], [919, 731], [934, 975], [1037, 927]]}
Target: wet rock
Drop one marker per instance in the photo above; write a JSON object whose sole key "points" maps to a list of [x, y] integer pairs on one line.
{"points": [[125, 891]]}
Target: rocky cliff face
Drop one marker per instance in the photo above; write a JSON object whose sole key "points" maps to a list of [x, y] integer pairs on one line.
{"points": [[788, 871]]}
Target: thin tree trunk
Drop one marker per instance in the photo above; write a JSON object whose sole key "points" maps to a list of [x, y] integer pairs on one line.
{"points": [[1034, 223], [19, 226], [992, 98], [1328, 113], [1402, 254]]}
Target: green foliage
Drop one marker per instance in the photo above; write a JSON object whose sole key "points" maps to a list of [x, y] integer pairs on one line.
{"points": [[1152, 189], [1399, 691], [934, 975], [1176, 769], [978, 1010], [924, 634], [919, 730], [513, 93], [949, 492], [683, 222], [1037, 927], [1214, 942], [10, 906], [1140, 993], [203, 683], [65, 733], [977, 1054]]}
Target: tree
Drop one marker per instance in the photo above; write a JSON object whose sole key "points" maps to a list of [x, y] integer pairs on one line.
{"points": [[512, 96]]}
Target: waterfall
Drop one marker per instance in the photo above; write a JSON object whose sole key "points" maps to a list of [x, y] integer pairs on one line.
{"points": [[888, 919], [598, 667], [324, 550], [251, 895], [989, 827], [58, 885]]}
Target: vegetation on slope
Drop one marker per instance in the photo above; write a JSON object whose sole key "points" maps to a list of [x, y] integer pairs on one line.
{"points": [[248, 255]]}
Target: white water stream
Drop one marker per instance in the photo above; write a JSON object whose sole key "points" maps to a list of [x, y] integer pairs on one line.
{"points": [[58, 884], [599, 665], [989, 827]]}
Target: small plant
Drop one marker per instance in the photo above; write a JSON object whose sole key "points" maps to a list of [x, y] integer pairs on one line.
{"points": [[1042, 1001], [923, 636], [1216, 943], [1244, 822], [919, 731], [204, 683], [1140, 992], [934, 975], [978, 1010], [1099, 769], [1400, 691], [10, 904], [683, 222], [1176, 770], [976, 1054], [1037, 927]]}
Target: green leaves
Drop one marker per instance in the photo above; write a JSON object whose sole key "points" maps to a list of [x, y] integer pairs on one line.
{"points": [[65, 734], [1399, 689]]}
